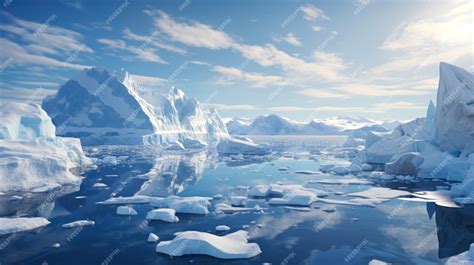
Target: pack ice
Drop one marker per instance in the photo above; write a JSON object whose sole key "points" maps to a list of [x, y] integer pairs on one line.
{"points": [[32, 156]]}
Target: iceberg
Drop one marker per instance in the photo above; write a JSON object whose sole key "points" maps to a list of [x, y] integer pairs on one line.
{"points": [[78, 223], [32, 156], [455, 110], [126, 210], [20, 224], [152, 238], [231, 246], [191, 205], [165, 215], [100, 107]]}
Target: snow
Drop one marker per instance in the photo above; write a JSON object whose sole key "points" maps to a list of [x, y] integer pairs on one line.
{"points": [[166, 215], [455, 110], [78, 223], [104, 107], [152, 238], [191, 205], [231, 246], [380, 193], [234, 146], [32, 156], [222, 228], [20, 224], [126, 210], [277, 125]]}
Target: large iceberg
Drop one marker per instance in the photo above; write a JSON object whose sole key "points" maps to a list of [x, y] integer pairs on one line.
{"points": [[32, 156], [455, 110], [111, 108], [439, 146]]}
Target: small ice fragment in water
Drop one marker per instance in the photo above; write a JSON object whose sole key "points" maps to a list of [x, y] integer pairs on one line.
{"points": [[126, 210], [56, 245], [329, 210], [222, 228], [152, 238], [166, 215], [99, 185], [78, 223], [15, 198]]}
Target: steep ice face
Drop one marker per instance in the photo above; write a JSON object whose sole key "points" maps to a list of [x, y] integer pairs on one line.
{"points": [[32, 156], [455, 110], [111, 108]]}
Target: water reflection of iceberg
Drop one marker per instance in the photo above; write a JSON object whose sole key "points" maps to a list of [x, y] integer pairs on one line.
{"points": [[171, 173], [34, 204], [456, 229]]}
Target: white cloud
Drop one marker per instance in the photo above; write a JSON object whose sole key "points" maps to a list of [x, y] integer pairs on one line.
{"points": [[320, 93], [142, 53], [312, 13], [192, 34], [317, 28], [230, 75], [152, 40], [289, 38]]}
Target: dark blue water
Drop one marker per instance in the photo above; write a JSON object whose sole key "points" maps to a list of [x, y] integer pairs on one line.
{"points": [[397, 231]]}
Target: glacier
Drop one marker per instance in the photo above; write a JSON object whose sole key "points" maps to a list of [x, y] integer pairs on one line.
{"points": [[33, 157], [100, 107]]}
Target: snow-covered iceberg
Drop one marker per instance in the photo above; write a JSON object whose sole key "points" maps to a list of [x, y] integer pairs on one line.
{"points": [[19, 224], [440, 146], [111, 108], [32, 156], [231, 246]]}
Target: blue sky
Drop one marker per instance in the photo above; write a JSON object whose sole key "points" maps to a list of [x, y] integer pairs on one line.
{"points": [[299, 59]]}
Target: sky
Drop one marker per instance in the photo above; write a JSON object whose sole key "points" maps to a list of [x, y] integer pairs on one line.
{"points": [[299, 59]]}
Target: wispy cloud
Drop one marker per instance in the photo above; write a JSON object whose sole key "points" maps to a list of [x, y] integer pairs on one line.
{"points": [[142, 53], [320, 93], [312, 13], [289, 38], [230, 75]]}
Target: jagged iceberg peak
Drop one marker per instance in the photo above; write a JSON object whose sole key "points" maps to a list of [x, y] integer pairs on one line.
{"points": [[455, 110], [101, 107]]}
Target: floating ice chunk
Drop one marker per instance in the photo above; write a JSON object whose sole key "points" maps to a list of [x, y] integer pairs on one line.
{"points": [[99, 185], [126, 210], [294, 195], [329, 210], [192, 205], [237, 146], [152, 238], [377, 262], [222, 228], [15, 198], [259, 191], [109, 160], [78, 223], [283, 169], [217, 196], [18, 224], [231, 246], [166, 215], [300, 209], [56, 245], [238, 201], [342, 181], [225, 208], [136, 199]]}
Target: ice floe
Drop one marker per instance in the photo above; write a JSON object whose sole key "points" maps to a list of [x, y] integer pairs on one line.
{"points": [[78, 223], [192, 205], [152, 238], [126, 210], [231, 246], [163, 214], [222, 228], [19, 224]]}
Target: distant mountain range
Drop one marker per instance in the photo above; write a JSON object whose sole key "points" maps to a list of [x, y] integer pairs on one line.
{"points": [[277, 125]]}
